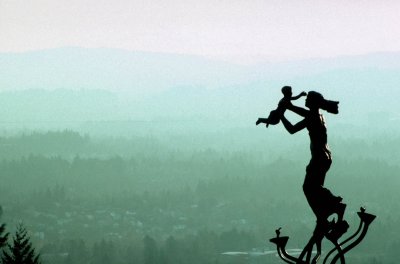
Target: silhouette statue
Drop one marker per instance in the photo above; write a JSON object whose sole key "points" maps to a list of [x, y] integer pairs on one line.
{"points": [[322, 202], [275, 115]]}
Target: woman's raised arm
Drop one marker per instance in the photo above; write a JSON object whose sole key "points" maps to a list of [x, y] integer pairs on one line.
{"points": [[293, 128], [298, 110]]}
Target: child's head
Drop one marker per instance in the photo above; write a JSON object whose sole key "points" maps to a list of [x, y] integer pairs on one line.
{"points": [[287, 91]]}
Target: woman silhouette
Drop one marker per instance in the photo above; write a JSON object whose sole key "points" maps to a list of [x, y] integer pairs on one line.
{"points": [[321, 200]]}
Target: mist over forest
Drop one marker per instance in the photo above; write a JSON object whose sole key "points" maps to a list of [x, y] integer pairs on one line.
{"points": [[110, 156]]}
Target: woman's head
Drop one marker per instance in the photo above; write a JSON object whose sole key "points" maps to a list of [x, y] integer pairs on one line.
{"points": [[315, 100]]}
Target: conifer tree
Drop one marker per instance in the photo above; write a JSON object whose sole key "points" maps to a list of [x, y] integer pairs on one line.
{"points": [[3, 234], [21, 251], [150, 251]]}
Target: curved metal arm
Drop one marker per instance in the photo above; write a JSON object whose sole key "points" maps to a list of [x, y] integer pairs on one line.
{"points": [[340, 253], [344, 242], [319, 250], [280, 247], [286, 257], [307, 250], [367, 220]]}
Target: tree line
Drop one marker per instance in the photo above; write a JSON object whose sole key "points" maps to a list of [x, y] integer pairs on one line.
{"points": [[200, 202]]}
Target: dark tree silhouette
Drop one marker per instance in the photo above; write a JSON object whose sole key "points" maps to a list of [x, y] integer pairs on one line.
{"points": [[21, 251], [3, 234], [104, 252], [171, 251], [150, 251]]}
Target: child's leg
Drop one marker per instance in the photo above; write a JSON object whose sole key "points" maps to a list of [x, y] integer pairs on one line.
{"points": [[262, 120]]}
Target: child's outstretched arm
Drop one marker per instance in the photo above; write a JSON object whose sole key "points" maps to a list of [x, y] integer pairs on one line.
{"points": [[298, 96]]}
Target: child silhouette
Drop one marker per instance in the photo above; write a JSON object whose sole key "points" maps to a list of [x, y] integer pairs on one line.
{"points": [[275, 115]]}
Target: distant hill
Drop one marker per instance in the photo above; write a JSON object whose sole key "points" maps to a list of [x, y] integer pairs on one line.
{"points": [[74, 85], [144, 72]]}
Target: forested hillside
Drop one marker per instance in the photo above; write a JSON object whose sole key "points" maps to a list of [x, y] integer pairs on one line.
{"points": [[158, 204]]}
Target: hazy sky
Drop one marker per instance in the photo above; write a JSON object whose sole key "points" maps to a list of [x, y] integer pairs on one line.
{"points": [[218, 28]]}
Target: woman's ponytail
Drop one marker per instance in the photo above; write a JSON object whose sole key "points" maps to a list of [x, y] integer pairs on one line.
{"points": [[320, 102], [330, 106]]}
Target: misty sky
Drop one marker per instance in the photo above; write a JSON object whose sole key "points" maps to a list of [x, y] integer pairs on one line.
{"points": [[232, 29]]}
